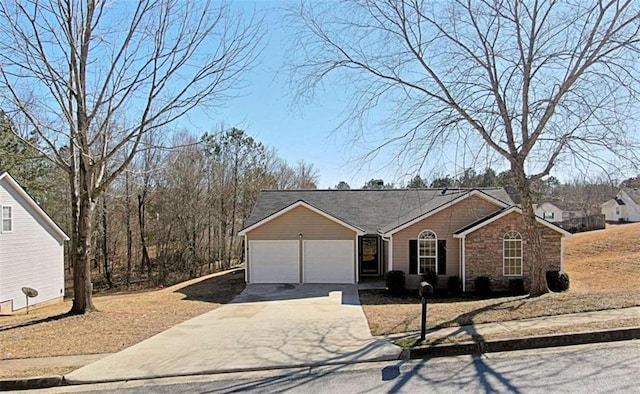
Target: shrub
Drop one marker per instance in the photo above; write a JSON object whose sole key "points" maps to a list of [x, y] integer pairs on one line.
{"points": [[431, 277], [453, 285], [552, 279], [516, 286], [483, 285], [395, 282], [557, 280]]}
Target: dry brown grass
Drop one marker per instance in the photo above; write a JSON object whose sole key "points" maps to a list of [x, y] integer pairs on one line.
{"points": [[121, 320], [605, 261], [604, 268]]}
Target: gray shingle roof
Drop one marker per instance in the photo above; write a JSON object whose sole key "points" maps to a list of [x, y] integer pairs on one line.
{"points": [[565, 205], [371, 210], [633, 193], [479, 221]]}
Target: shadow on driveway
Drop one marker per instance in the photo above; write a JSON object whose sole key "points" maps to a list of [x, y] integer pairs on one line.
{"points": [[219, 289], [343, 293]]}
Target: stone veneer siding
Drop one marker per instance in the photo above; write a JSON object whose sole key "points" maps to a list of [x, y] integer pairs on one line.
{"points": [[484, 252]]}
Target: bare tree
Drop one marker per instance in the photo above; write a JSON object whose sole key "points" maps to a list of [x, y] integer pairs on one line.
{"points": [[306, 176], [538, 82], [91, 77]]}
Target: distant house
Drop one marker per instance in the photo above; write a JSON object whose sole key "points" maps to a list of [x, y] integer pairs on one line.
{"points": [[624, 207], [343, 236], [31, 249], [558, 211]]}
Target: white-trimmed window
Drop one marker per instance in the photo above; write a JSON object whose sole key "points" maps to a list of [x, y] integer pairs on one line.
{"points": [[512, 254], [7, 219], [427, 252]]}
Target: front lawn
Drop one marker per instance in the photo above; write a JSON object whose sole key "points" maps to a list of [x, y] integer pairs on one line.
{"points": [[389, 315], [604, 268], [122, 320]]}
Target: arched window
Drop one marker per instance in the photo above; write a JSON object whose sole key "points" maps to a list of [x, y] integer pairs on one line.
{"points": [[427, 252], [512, 254]]}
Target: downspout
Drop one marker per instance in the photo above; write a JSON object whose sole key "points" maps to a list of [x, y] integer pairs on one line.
{"points": [[463, 262], [390, 240], [246, 259], [356, 260], [300, 258], [562, 253]]}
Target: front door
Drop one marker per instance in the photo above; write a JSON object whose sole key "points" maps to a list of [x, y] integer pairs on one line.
{"points": [[369, 261]]}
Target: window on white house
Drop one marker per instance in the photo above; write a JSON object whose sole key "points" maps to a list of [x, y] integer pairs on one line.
{"points": [[512, 254], [617, 210], [7, 219], [427, 252], [547, 215]]}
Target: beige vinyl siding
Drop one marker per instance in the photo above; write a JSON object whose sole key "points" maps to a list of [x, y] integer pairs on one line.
{"points": [[301, 220], [444, 224], [31, 255]]}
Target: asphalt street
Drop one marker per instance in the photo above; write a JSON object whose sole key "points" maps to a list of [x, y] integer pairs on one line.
{"points": [[600, 368]]}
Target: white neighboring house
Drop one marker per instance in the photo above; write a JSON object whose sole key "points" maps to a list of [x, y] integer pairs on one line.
{"points": [[31, 249], [558, 211], [624, 207]]}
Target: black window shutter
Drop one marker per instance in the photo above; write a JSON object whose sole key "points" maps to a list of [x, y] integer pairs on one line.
{"points": [[413, 256], [442, 257]]}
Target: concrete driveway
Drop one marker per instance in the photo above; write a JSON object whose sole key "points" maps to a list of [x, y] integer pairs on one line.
{"points": [[266, 326]]}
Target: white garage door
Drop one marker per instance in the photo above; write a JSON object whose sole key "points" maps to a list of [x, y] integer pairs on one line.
{"points": [[274, 261], [328, 262]]}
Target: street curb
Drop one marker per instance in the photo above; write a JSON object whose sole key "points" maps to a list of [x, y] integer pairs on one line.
{"points": [[418, 352], [523, 343], [31, 383], [76, 382]]}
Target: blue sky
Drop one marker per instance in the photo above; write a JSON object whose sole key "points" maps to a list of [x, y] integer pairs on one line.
{"points": [[266, 109]]}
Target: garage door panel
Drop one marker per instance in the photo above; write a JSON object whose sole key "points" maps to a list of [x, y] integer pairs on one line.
{"points": [[274, 261], [328, 261]]}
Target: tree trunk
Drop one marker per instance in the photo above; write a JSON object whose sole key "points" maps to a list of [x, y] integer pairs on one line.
{"points": [[143, 241], [209, 224], [533, 240], [128, 224], [234, 208], [105, 247], [83, 212]]}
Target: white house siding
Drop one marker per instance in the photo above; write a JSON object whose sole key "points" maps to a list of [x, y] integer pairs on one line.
{"points": [[549, 212], [630, 212], [611, 211], [31, 255]]}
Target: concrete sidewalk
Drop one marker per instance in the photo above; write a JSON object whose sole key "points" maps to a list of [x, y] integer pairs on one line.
{"points": [[25, 364], [510, 327], [372, 349]]}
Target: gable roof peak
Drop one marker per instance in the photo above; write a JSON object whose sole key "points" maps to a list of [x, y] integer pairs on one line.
{"points": [[371, 210]]}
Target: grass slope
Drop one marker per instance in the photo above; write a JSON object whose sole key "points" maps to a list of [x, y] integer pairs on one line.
{"points": [[604, 261]]}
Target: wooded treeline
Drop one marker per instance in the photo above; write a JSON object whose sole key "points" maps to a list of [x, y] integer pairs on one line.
{"points": [[587, 193], [174, 213]]}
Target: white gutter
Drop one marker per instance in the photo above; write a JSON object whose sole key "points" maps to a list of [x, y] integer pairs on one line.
{"points": [[246, 259], [390, 240], [561, 253], [463, 261], [356, 260]]}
